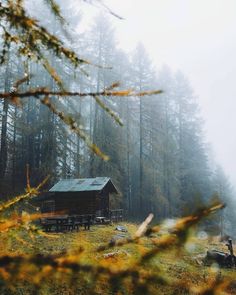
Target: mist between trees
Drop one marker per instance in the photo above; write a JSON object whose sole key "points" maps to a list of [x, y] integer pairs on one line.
{"points": [[158, 159]]}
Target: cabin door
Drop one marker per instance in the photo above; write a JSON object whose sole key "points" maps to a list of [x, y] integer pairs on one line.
{"points": [[102, 205]]}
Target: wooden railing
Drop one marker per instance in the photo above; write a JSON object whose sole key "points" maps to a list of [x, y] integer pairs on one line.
{"points": [[116, 215]]}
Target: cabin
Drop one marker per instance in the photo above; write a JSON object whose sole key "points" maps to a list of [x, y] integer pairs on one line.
{"points": [[79, 197]]}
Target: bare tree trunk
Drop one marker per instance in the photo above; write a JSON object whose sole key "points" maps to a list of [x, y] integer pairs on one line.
{"points": [[3, 148], [95, 122], [128, 158], [14, 152]]}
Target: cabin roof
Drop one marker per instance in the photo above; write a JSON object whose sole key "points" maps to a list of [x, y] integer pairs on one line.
{"points": [[83, 184]]}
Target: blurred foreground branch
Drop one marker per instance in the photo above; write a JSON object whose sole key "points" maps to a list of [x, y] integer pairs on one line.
{"points": [[133, 277]]}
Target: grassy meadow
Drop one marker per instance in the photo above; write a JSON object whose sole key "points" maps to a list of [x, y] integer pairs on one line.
{"points": [[77, 263]]}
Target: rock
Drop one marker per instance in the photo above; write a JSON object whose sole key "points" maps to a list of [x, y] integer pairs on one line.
{"points": [[115, 253], [121, 228], [109, 255], [118, 237]]}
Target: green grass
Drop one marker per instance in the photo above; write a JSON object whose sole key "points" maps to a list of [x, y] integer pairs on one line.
{"points": [[178, 268]]}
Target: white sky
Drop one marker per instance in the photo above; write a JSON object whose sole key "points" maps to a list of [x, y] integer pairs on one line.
{"points": [[199, 38]]}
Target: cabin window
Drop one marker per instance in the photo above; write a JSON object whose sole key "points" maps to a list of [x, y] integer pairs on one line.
{"points": [[48, 206]]}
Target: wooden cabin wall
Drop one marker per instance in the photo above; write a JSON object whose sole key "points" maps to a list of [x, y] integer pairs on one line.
{"points": [[75, 203], [80, 202]]}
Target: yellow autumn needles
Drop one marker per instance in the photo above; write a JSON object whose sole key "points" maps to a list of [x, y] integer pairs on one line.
{"points": [[94, 269], [29, 193], [44, 95], [32, 41]]}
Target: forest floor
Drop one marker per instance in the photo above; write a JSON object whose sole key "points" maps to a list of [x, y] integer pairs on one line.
{"points": [[179, 268]]}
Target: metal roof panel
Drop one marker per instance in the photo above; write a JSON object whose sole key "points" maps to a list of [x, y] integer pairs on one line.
{"points": [[81, 184]]}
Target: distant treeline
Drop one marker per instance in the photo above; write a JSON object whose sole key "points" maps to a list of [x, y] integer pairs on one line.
{"points": [[159, 159]]}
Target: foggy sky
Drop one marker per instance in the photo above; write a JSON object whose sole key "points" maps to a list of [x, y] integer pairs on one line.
{"points": [[197, 37]]}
